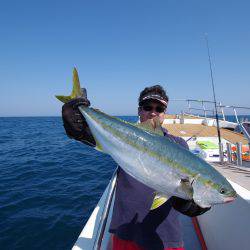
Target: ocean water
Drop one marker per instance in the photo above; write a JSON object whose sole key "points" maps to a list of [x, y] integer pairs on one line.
{"points": [[49, 184]]}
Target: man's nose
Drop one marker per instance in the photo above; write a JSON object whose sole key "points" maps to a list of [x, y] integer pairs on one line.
{"points": [[154, 113]]}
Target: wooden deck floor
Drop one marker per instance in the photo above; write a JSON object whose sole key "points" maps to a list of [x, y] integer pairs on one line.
{"points": [[171, 116], [200, 130]]}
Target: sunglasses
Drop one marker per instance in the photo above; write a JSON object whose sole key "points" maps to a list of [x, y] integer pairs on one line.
{"points": [[158, 109]]}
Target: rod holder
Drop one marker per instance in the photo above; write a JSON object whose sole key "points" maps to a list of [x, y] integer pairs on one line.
{"points": [[229, 153], [239, 153], [221, 153]]}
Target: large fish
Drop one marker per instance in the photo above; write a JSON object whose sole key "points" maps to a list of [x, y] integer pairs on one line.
{"points": [[153, 159]]}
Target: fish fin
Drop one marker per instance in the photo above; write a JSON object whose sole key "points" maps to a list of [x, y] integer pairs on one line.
{"points": [[159, 199], [194, 178], [186, 186], [76, 90], [151, 125], [98, 146], [185, 182]]}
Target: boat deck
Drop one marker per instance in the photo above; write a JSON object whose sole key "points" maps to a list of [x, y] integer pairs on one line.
{"points": [[200, 130], [237, 174], [185, 116]]}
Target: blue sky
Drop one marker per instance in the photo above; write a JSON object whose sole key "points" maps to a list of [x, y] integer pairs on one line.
{"points": [[120, 47]]}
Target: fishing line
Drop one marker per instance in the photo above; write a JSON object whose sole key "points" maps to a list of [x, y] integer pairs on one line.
{"points": [[215, 103]]}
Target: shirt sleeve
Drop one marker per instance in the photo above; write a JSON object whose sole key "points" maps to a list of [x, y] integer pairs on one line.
{"points": [[176, 139]]}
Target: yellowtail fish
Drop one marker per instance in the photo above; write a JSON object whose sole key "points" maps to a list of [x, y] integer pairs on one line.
{"points": [[153, 159]]}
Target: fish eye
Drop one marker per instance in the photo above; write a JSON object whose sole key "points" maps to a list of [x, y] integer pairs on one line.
{"points": [[222, 191]]}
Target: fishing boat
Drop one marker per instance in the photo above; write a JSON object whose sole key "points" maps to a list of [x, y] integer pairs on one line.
{"points": [[222, 227]]}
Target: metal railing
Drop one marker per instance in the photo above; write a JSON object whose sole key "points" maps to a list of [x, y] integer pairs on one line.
{"points": [[105, 213], [203, 107], [206, 110], [221, 111], [243, 129]]}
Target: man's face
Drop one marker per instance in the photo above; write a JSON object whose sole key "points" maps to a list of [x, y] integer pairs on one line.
{"points": [[151, 109]]}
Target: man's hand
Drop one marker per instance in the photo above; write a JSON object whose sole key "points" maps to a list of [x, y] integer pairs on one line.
{"points": [[187, 207], [74, 122]]}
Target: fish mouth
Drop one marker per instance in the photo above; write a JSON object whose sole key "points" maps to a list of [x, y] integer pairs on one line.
{"points": [[229, 199]]}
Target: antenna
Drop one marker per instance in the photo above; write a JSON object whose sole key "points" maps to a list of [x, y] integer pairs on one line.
{"points": [[215, 103]]}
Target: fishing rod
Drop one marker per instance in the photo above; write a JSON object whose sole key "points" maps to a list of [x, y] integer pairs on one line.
{"points": [[215, 103]]}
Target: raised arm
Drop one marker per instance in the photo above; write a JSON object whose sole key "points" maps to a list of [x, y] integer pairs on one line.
{"points": [[74, 123]]}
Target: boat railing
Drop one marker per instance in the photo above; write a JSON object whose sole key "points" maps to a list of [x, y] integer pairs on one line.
{"points": [[203, 107], [205, 110], [105, 212], [240, 123]]}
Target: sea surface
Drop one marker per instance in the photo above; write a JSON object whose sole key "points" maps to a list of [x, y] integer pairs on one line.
{"points": [[49, 184]]}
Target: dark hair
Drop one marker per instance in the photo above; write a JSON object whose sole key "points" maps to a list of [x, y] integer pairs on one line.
{"points": [[153, 90]]}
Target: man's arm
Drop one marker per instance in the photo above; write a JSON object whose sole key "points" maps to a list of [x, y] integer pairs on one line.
{"points": [[75, 124], [187, 207]]}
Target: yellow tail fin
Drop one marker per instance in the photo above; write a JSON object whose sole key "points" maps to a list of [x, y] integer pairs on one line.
{"points": [[76, 91]]}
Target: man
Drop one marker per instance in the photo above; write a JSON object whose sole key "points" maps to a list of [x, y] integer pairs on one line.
{"points": [[134, 225]]}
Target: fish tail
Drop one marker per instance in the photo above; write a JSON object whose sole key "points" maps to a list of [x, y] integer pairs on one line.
{"points": [[77, 91]]}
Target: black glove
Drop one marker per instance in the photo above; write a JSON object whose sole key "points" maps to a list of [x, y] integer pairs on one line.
{"points": [[75, 124], [187, 207]]}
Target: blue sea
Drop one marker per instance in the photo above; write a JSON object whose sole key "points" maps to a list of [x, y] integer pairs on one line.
{"points": [[49, 184]]}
